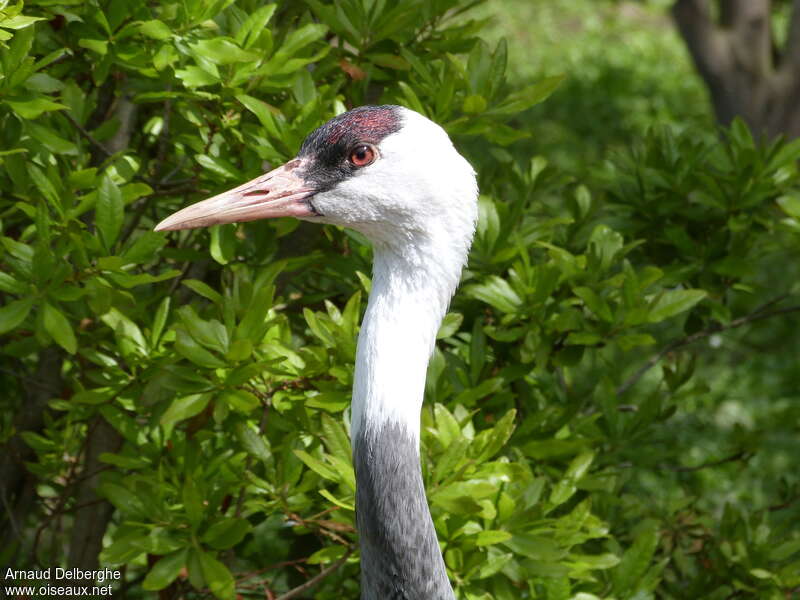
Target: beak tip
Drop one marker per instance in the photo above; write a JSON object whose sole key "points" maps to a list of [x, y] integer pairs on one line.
{"points": [[168, 224]]}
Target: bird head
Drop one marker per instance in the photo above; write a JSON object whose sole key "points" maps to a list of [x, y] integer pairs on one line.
{"points": [[385, 171]]}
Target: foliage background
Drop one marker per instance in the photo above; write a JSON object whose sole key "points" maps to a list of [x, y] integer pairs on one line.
{"points": [[612, 411]]}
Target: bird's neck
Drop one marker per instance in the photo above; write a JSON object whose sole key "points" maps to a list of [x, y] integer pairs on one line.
{"points": [[408, 300], [400, 556]]}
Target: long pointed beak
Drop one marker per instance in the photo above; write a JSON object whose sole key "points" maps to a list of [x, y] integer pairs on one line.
{"points": [[279, 193]]}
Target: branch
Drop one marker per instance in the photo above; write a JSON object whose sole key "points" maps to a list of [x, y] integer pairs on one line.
{"points": [[792, 56], [90, 522], [125, 113], [756, 315], [103, 150], [17, 482], [707, 44], [783, 505], [737, 13], [751, 27], [316, 579], [744, 456]]}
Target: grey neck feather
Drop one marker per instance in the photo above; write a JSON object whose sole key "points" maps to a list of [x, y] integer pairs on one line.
{"points": [[400, 556]]}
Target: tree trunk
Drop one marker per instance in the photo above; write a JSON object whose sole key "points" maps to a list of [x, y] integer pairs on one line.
{"points": [[92, 513], [17, 485], [745, 73]]}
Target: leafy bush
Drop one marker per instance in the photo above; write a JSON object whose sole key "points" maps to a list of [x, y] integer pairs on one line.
{"points": [[185, 418]]}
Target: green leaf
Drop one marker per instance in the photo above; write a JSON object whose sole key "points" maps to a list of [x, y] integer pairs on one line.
{"points": [[636, 559], [98, 46], [123, 549], [562, 491], [130, 340], [45, 186], [536, 547], [159, 320], [391, 61], [184, 408], [252, 441], [594, 303], [192, 501], [162, 540], [478, 66], [239, 350], [605, 244], [222, 243], [190, 349], [129, 281], [761, 574], [226, 533], [326, 555], [33, 107], [96, 396], [211, 334], [790, 205], [11, 285], [165, 571], [344, 468], [497, 293], [298, 39], [785, 550], [144, 248], [260, 109], [491, 537], [218, 166], [447, 427], [194, 77], [336, 440], [124, 462], [19, 22], [58, 326], [222, 51], [109, 210], [673, 302], [254, 25], [632, 340], [121, 497], [14, 313], [495, 562], [203, 289], [474, 104], [450, 325], [218, 577], [334, 500], [579, 465], [319, 328], [50, 140], [158, 30], [332, 401], [462, 497], [240, 400], [527, 97], [315, 465], [496, 437]]}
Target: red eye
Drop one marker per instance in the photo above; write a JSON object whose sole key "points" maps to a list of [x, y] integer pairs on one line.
{"points": [[362, 155]]}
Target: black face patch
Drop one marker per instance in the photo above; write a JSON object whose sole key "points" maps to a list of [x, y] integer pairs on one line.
{"points": [[326, 148]]}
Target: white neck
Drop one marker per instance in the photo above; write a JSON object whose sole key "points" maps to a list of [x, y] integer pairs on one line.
{"points": [[410, 293]]}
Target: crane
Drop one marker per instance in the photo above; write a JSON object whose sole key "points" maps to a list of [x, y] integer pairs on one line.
{"points": [[393, 175]]}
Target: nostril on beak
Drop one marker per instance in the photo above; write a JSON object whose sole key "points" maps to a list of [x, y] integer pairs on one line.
{"points": [[255, 193]]}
